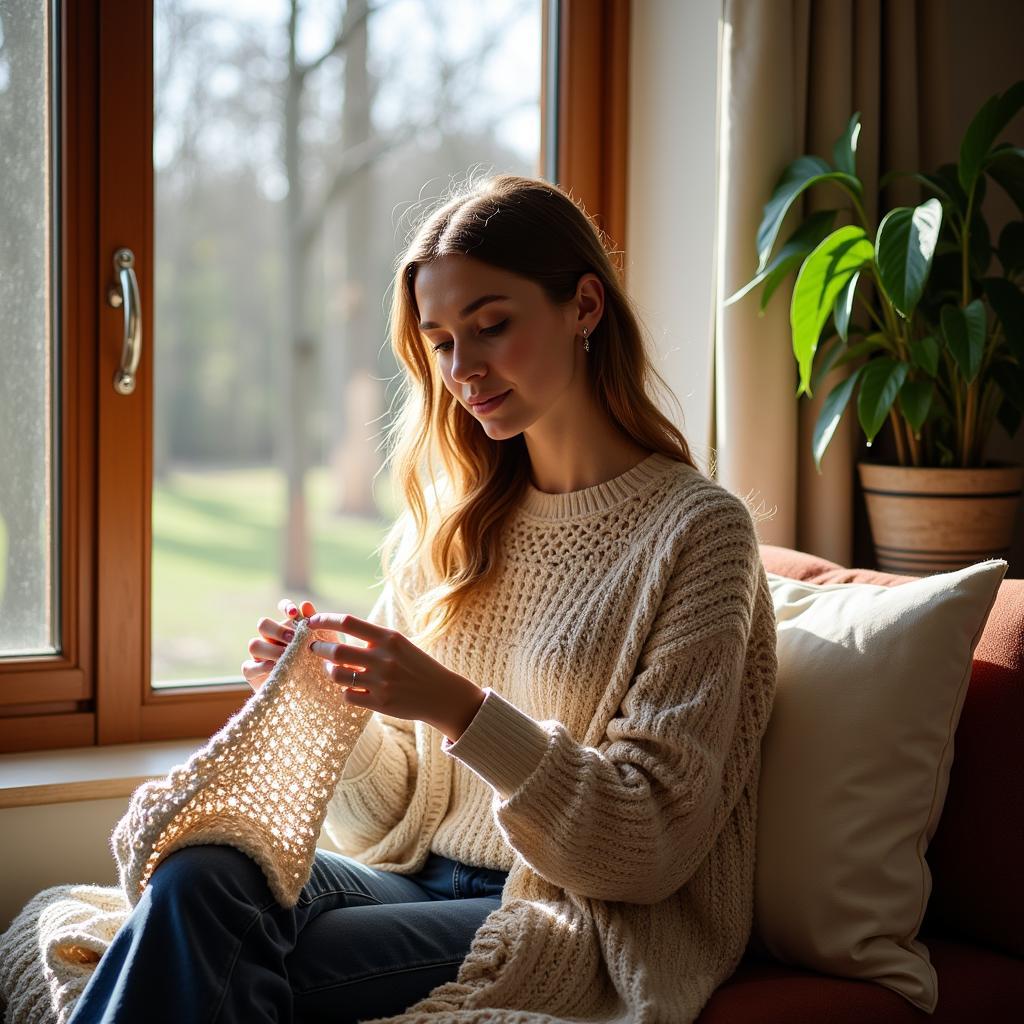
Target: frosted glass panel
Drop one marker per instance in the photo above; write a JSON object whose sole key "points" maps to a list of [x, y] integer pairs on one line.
{"points": [[283, 193], [28, 458]]}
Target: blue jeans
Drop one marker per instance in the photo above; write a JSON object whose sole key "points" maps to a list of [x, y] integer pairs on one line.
{"points": [[207, 942]]}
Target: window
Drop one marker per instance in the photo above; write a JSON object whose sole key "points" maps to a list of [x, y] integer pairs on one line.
{"points": [[200, 409], [29, 576]]}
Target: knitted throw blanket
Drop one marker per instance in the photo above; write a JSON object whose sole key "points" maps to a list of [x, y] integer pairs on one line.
{"points": [[261, 783]]}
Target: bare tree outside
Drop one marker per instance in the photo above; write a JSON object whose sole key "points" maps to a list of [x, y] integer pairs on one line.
{"points": [[294, 146]]}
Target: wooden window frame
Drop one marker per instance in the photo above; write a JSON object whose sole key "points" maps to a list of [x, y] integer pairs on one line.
{"points": [[47, 701], [97, 691], [593, 111]]}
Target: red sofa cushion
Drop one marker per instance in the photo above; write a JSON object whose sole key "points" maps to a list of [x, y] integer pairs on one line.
{"points": [[977, 853], [974, 985]]}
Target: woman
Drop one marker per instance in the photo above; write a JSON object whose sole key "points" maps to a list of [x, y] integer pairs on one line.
{"points": [[571, 666]]}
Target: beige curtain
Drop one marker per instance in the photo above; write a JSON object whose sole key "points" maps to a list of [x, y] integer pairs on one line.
{"points": [[792, 73]]}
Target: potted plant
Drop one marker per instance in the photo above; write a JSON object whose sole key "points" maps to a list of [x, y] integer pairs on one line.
{"points": [[933, 331]]}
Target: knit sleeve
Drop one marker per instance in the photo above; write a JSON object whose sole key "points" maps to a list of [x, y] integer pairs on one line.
{"points": [[379, 776], [632, 818]]}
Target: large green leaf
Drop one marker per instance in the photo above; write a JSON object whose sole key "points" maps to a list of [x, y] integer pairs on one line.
{"points": [[823, 274], [924, 354], [1007, 167], [814, 235], [843, 308], [964, 330], [880, 383], [844, 152], [824, 358], [798, 176], [915, 399], [831, 413], [904, 249], [797, 246], [994, 115]]}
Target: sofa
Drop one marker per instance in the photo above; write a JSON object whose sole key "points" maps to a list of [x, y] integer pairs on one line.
{"points": [[974, 925]]}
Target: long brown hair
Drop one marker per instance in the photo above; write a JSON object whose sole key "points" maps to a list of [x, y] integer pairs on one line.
{"points": [[532, 228]]}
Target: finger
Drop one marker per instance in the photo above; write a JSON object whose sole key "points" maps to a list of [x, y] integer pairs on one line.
{"points": [[360, 698], [255, 671], [265, 650], [282, 632], [350, 624], [343, 675], [343, 654], [288, 607], [308, 608]]}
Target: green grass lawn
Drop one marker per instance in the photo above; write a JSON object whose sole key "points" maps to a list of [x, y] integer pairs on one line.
{"points": [[216, 553]]}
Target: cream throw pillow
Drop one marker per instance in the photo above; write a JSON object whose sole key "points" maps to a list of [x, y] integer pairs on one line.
{"points": [[855, 767]]}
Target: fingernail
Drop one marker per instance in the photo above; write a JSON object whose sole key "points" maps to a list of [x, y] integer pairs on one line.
{"points": [[289, 634]]}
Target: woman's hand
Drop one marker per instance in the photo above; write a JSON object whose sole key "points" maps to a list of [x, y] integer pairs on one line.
{"points": [[269, 645], [394, 676]]}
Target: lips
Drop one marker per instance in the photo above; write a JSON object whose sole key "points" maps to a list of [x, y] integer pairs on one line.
{"points": [[486, 398]]}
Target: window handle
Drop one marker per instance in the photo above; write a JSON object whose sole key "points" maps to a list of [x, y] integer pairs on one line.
{"points": [[126, 294]]}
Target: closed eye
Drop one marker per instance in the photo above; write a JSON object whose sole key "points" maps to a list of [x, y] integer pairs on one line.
{"points": [[490, 331]]}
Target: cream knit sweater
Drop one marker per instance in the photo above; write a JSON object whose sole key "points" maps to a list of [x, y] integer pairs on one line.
{"points": [[626, 645]]}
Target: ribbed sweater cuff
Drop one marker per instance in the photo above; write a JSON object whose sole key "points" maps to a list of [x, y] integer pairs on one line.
{"points": [[501, 744], [362, 754]]}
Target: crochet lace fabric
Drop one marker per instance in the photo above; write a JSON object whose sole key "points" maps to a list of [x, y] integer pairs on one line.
{"points": [[262, 783]]}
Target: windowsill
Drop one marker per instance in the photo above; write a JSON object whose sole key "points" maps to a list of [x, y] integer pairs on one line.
{"points": [[87, 773]]}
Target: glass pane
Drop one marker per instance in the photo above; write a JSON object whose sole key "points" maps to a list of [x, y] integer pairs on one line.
{"points": [[283, 193], [29, 587]]}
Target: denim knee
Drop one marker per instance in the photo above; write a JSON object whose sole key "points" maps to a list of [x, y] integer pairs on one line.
{"points": [[204, 870]]}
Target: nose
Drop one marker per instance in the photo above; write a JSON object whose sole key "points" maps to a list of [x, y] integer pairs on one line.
{"points": [[466, 362]]}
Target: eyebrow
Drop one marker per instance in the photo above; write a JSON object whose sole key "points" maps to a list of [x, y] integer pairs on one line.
{"points": [[429, 325]]}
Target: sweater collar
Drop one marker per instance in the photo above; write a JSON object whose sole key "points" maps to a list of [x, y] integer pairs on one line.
{"points": [[588, 500]]}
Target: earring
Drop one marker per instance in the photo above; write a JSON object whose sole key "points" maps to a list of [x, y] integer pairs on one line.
{"points": [[586, 341]]}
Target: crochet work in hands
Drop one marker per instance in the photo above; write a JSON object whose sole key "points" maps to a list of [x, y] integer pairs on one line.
{"points": [[262, 783]]}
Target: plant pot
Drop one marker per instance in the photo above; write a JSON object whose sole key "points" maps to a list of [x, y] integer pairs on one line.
{"points": [[925, 520]]}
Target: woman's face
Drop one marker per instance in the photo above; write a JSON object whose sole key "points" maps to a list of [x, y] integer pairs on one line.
{"points": [[520, 343]]}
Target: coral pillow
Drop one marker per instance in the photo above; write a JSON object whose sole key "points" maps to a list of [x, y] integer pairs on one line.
{"points": [[855, 766]]}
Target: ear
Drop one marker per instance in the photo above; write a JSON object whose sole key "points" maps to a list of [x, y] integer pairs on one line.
{"points": [[589, 301]]}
